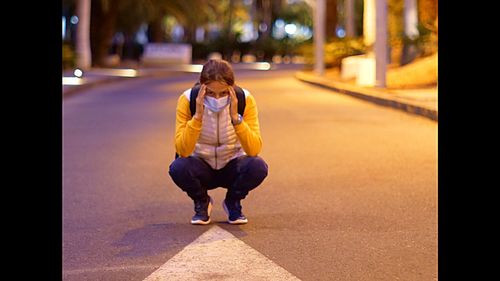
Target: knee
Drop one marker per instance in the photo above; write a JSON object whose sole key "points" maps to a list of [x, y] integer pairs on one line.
{"points": [[257, 167], [178, 168]]}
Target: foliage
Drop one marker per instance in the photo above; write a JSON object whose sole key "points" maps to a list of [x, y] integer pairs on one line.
{"points": [[132, 13], [266, 46], [269, 46], [395, 20], [300, 13], [264, 49], [187, 12], [426, 43], [358, 15], [336, 50], [201, 50], [68, 56], [126, 16]]}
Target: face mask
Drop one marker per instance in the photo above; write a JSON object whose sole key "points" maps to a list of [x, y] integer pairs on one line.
{"points": [[216, 105]]}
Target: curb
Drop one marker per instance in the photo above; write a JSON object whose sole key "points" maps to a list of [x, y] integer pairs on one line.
{"points": [[77, 88], [376, 96], [70, 90]]}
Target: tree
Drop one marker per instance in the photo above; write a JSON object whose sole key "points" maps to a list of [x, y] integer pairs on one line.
{"points": [[428, 13], [189, 13], [331, 18], [267, 11], [110, 16], [350, 23], [102, 28], [410, 19], [83, 52]]}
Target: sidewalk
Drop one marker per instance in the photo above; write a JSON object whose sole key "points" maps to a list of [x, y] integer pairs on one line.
{"points": [[421, 101]]}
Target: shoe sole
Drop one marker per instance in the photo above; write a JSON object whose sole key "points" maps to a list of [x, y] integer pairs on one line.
{"points": [[209, 211], [238, 221]]}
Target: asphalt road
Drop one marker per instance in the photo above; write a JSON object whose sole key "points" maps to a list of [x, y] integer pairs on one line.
{"points": [[351, 192]]}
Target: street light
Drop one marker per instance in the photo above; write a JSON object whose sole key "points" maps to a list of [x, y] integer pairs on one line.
{"points": [[78, 73]]}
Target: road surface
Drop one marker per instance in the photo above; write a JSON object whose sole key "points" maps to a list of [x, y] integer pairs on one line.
{"points": [[351, 192]]}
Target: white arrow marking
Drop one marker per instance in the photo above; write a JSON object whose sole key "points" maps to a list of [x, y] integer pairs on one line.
{"points": [[219, 255]]}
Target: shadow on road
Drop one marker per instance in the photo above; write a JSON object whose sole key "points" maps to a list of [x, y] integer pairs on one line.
{"points": [[155, 239]]}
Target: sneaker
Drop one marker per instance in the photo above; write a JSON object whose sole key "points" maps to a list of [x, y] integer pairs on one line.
{"points": [[233, 210], [202, 209]]}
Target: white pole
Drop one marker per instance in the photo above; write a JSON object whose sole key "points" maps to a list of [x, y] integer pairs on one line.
{"points": [[369, 23], [83, 53], [381, 43], [410, 18], [319, 10]]}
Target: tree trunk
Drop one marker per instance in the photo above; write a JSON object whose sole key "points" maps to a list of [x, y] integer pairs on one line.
{"points": [[262, 12], [83, 52], [319, 36], [190, 33], [277, 6], [268, 16], [155, 30], [102, 27], [410, 18], [381, 43], [349, 19], [331, 18]]}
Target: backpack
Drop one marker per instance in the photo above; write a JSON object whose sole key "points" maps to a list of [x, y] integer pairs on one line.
{"points": [[240, 95]]}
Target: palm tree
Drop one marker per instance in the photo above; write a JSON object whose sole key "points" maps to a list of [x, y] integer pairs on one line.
{"points": [[83, 59], [428, 13], [331, 18], [189, 13], [109, 16], [266, 11], [104, 14]]}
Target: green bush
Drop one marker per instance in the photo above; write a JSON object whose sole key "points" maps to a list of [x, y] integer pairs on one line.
{"points": [[335, 51], [68, 56], [263, 49], [268, 47], [426, 42]]}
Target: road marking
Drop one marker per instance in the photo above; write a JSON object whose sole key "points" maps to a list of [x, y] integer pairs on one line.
{"points": [[219, 255], [108, 268]]}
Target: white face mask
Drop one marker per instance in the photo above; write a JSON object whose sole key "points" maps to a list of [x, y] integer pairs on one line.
{"points": [[216, 105]]}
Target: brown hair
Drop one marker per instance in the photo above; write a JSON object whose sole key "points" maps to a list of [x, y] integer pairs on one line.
{"points": [[217, 70]]}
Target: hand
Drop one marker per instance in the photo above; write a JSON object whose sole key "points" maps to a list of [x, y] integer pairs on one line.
{"points": [[233, 110], [199, 103]]}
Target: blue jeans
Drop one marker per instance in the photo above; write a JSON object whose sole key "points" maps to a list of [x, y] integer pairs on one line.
{"points": [[239, 176]]}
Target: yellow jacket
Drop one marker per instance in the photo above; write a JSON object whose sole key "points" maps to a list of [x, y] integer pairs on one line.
{"points": [[215, 139]]}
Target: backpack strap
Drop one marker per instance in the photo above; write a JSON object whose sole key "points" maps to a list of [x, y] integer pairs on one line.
{"points": [[192, 98], [240, 95]]}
